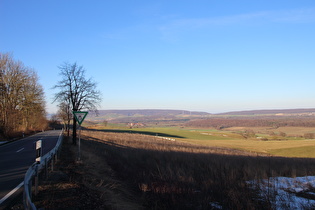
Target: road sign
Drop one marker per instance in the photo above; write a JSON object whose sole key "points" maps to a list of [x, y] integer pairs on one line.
{"points": [[80, 116]]}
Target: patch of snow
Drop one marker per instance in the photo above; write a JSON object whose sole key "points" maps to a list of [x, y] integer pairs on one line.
{"points": [[283, 191], [216, 205]]}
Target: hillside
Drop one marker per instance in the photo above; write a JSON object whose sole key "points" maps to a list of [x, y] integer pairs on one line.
{"points": [[302, 117], [270, 112], [149, 112], [143, 115]]}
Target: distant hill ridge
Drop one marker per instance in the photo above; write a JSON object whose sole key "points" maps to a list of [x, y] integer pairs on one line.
{"points": [[166, 112], [150, 112], [271, 111]]}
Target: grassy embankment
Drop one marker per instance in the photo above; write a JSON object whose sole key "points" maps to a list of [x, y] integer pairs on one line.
{"points": [[166, 174], [292, 145], [124, 170]]}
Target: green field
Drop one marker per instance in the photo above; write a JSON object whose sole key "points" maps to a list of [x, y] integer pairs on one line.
{"points": [[292, 145]]}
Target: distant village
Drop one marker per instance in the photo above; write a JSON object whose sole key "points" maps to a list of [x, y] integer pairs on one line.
{"points": [[136, 125]]}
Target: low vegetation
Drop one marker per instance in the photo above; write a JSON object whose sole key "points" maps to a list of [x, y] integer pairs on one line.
{"points": [[282, 141], [256, 121], [166, 174], [181, 167]]}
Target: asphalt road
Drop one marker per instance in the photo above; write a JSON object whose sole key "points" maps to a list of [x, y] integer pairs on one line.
{"points": [[17, 157]]}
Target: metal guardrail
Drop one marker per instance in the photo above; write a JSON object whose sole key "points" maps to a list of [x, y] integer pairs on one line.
{"points": [[33, 171]]}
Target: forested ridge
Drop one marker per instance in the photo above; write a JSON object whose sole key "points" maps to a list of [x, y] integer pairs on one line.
{"points": [[220, 123]]}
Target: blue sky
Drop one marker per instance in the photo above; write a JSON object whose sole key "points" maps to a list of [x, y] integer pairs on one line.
{"points": [[213, 55]]}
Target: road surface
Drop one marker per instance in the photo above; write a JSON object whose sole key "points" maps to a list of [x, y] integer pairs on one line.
{"points": [[17, 157]]}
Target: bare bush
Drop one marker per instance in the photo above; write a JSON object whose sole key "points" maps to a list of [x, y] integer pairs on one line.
{"points": [[309, 135]]}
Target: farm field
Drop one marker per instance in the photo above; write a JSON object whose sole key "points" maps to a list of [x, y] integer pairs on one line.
{"points": [[293, 144], [163, 162], [175, 168]]}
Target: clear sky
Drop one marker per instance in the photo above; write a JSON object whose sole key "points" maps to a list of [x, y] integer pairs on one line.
{"points": [[201, 55]]}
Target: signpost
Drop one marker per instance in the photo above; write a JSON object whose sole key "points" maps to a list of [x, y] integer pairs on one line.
{"points": [[79, 116], [38, 151], [37, 160]]}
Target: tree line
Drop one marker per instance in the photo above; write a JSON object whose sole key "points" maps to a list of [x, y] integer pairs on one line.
{"points": [[22, 104], [221, 123]]}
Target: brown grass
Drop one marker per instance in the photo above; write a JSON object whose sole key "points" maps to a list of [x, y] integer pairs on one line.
{"points": [[161, 174], [133, 171], [64, 188], [290, 131]]}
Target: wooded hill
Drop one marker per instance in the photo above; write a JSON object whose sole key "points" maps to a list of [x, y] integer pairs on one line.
{"points": [[270, 112], [258, 118], [269, 118], [149, 112], [145, 116], [275, 122], [113, 114]]}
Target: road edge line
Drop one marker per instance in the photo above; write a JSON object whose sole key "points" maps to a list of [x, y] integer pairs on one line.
{"points": [[11, 192]]}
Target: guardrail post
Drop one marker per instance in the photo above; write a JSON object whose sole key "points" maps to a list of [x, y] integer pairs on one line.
{"points": [[36, 181], [30, 189], [32, 174], [52, 163], [45, 169]]}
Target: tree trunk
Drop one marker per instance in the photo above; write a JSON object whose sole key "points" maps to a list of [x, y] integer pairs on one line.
{"points": [[68, 126], [74, 135]]}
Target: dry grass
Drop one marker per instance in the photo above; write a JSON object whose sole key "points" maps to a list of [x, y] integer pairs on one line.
{"points": [[291, 131], [164, 174], [265, 140], [133, 171], [64, 188], [99, 176], [260, 146]]}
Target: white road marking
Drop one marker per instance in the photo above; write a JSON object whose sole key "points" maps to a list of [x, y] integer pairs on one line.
{"points": [[11, 192], [20, 150]]}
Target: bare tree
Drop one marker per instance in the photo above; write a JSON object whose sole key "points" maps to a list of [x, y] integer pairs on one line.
{"points": [[65, 114], [76, 91], [22, 105]]}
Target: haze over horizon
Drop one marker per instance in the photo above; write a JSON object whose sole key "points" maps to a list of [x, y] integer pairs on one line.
{"points": [[245, 112], [213, 56]]}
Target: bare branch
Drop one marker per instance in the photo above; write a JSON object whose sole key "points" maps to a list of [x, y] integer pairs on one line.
{"points": [[80, 93]]}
